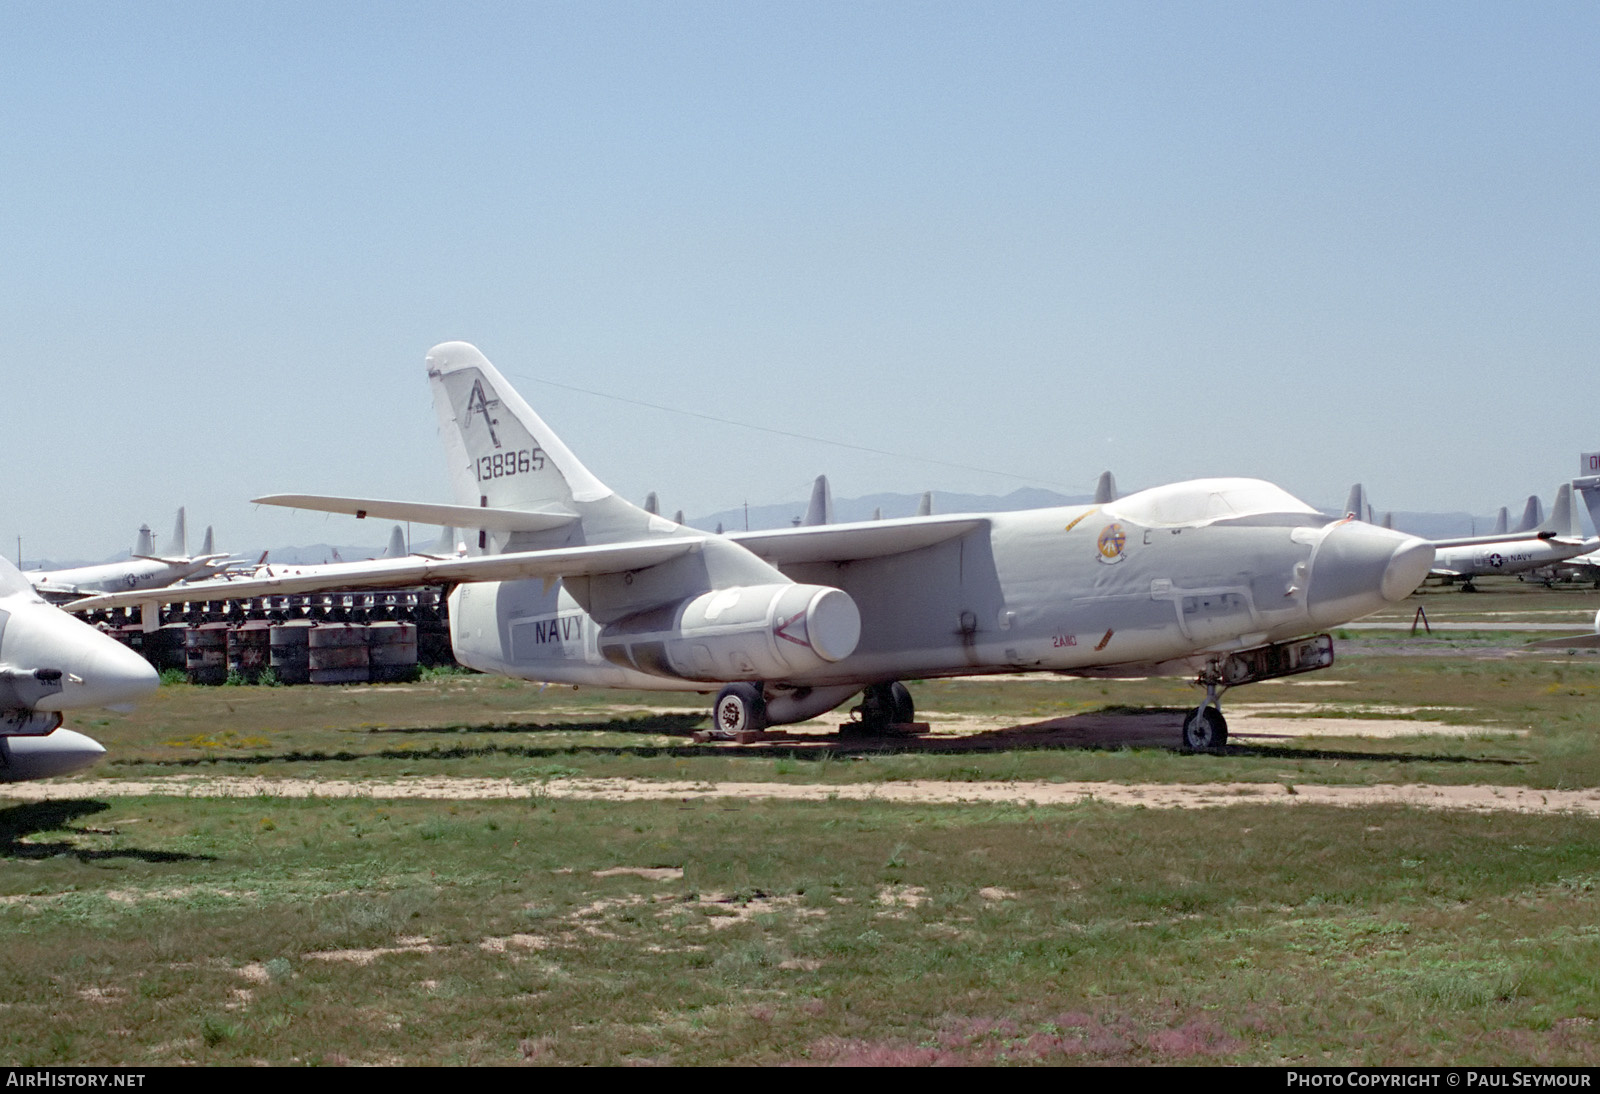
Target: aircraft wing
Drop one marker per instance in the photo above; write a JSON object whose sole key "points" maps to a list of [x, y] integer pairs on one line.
{"points": [[453, 516], [849, 542], [398, 573], [1485, 541]]}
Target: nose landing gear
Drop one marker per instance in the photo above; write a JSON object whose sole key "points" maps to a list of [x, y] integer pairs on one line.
{"points": [[1204, 727]]}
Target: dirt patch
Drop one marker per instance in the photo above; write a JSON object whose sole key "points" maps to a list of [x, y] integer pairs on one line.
{"points": [[1479, 798], [413, 944], [649, 873]]}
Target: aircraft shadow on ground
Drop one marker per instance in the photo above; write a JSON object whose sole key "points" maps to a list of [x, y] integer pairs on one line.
{"points": [[655, 725], [1112, 729], [19, 822]]}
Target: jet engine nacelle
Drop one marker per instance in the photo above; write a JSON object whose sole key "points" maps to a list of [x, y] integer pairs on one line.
{"points": [[757, 632]]}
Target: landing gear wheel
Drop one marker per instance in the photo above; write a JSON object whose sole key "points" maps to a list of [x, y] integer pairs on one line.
{"points": [[901, 709], [882, 706], [1205, 730], [739, 708]]}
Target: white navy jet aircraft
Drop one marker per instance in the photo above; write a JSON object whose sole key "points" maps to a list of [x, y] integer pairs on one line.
{"points": [[1554, 541], [51, 662], [147, 569], [1231, 580]]}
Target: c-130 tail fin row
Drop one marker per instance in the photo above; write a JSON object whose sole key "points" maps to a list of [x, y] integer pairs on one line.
{"points": [[1226, 579]]}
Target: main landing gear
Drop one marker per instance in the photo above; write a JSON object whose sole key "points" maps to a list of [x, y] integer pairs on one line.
{"points": [[883, 707], [739, 709], [743, 710]]}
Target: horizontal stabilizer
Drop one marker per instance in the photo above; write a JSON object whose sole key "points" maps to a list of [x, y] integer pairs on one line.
{"points": [[609, 558], [849, 542], [459, 516]]}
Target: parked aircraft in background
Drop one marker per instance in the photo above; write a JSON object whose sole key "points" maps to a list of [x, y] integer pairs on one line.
{"points": [[1231, 580], [820, 511], [1105, 490], [147, 569], [1586, 566], [1521, 551], [396, 548], [1551, 542], [51, 662]]}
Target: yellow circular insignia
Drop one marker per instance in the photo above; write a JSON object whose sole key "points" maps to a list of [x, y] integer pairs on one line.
{"points": [[1112, 540]]}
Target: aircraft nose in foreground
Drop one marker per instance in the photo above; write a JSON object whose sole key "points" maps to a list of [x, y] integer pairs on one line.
{"points": [[97, 670], [1359, 568]]}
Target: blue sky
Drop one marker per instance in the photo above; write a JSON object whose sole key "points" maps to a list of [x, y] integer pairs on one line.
{"points": [[1311, 243]]}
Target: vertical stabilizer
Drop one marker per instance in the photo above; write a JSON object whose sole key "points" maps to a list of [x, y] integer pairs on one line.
{"points": [[449, 543], [178, 545], [1561, 520], [1355, 506], [145, 545], [651, 504], [925, 506], [397, 544], [1532, 515], [1589, 491], [1501, 520], [820, 511], [1105, 491], [502, 455]]}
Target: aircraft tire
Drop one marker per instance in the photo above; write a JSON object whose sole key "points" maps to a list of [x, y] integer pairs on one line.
{"points": [[902, 709], [1205, 730], [739, 708]]}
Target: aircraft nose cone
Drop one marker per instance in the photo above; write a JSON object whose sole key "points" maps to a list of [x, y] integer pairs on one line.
{"points": [[1358, 569], [98, 671], [1408, 565], [116, 675]]}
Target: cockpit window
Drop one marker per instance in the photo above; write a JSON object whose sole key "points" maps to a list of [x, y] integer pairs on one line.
{"points": [[1205, 501]]}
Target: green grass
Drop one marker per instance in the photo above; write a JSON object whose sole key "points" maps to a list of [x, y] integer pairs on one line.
{"points": [[491, 726], [189, 932], [145, 931]]}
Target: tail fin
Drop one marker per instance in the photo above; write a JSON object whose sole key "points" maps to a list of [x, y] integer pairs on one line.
{"points": [[1532, 515], [1105, 491], [503, 456], [1355, 506], [1501, 519], [1589, 490], [501, 453], [1561, 520], [178, 545], [208, 545], [925, 506], [144, 546], [820, 511], [397, 545], [652, 505]]}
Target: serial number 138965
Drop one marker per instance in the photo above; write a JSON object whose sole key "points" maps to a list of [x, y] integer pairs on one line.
{"points": [[502, 464]]}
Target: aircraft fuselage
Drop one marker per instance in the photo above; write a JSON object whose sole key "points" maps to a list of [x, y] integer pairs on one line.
{"points": [[1072, 590]]}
